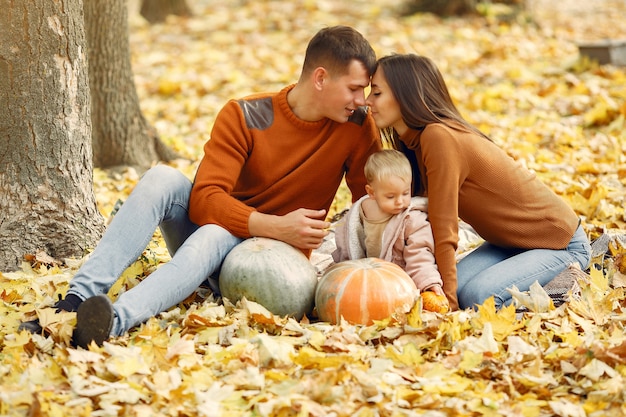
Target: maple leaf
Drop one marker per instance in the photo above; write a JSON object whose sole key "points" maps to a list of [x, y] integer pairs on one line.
{"points": [[502, 322], [536, 299], [272, 351]]}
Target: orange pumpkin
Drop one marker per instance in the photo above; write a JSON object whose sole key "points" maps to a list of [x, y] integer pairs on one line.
{"points": [[435, 302], [363, 290]]}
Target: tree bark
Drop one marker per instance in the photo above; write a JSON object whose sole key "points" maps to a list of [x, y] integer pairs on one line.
{"points": [[441, 7], [121, 134], [45, 133], [156, 11], [447, 8]]}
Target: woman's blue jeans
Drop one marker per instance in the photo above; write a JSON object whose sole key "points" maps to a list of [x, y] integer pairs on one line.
{"points": [[490, 270], [160, 199]]}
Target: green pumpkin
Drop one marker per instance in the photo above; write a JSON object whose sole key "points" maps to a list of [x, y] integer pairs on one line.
{"points": [[272, 273]]}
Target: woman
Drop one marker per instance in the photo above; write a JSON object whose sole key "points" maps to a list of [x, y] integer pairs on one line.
{"points": [[530, 233]]}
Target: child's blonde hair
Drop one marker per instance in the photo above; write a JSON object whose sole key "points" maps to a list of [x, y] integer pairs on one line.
{"points": [[386, 163]]}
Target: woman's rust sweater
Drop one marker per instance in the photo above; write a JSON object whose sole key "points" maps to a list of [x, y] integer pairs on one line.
{"points": [[469, 177]]}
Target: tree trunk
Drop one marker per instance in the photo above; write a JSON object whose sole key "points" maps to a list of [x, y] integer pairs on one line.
{"points": [[156, 11], [45, 144], [121, 134], [447, 8], [441, 7]]}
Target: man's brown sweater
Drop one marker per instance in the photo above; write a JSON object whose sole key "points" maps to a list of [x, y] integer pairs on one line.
{"points": [[262, 157]]}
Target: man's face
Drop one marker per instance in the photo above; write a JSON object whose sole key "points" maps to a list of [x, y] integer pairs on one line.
{"points": [[344, 93]]}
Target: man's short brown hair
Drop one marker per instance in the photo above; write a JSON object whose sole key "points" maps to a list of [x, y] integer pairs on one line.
{"points": [[335, 47]]}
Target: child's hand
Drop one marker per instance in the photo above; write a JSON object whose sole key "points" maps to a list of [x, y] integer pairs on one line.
{"points": [[431, 301], [436, 289]]}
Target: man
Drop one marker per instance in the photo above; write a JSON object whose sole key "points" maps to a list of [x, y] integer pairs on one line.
{"points": [[271, 168]]}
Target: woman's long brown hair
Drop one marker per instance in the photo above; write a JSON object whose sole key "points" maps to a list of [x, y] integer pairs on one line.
{"points": [[423, 97]]}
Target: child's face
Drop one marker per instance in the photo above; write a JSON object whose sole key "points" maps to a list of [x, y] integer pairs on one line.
{"points": [[393, 194]]}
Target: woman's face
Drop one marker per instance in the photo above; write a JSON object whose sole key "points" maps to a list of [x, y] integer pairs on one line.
{"points": [[385, 108]]}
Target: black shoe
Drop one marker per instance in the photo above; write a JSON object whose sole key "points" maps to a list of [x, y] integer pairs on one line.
{"points": [[70, 304], [32, 326], [94, 320]]}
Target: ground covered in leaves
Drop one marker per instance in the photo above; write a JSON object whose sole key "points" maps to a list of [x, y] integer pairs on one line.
{"points": [[520, 79]]}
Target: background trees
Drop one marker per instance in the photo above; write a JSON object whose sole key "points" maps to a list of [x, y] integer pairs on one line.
{"points": [[71, 104], [121, 134], [155, 11], [454, 7], [45, 144]]}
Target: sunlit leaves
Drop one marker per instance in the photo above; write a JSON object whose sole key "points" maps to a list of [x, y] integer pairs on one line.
{"points": [[478, 361], [524, 85]]}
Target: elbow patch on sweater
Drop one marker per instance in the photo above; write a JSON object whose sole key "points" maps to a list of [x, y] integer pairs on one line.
{"points": [[259, 113], [358, 117]]}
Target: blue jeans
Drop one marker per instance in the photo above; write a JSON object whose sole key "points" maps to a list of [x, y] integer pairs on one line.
{"points": [[490, 270], [161, 198]]}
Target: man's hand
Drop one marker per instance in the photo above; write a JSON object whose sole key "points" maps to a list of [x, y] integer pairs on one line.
{"points": [[302, 228]]}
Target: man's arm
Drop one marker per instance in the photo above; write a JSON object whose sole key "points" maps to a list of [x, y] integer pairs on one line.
{"points": [[302, 228]]}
